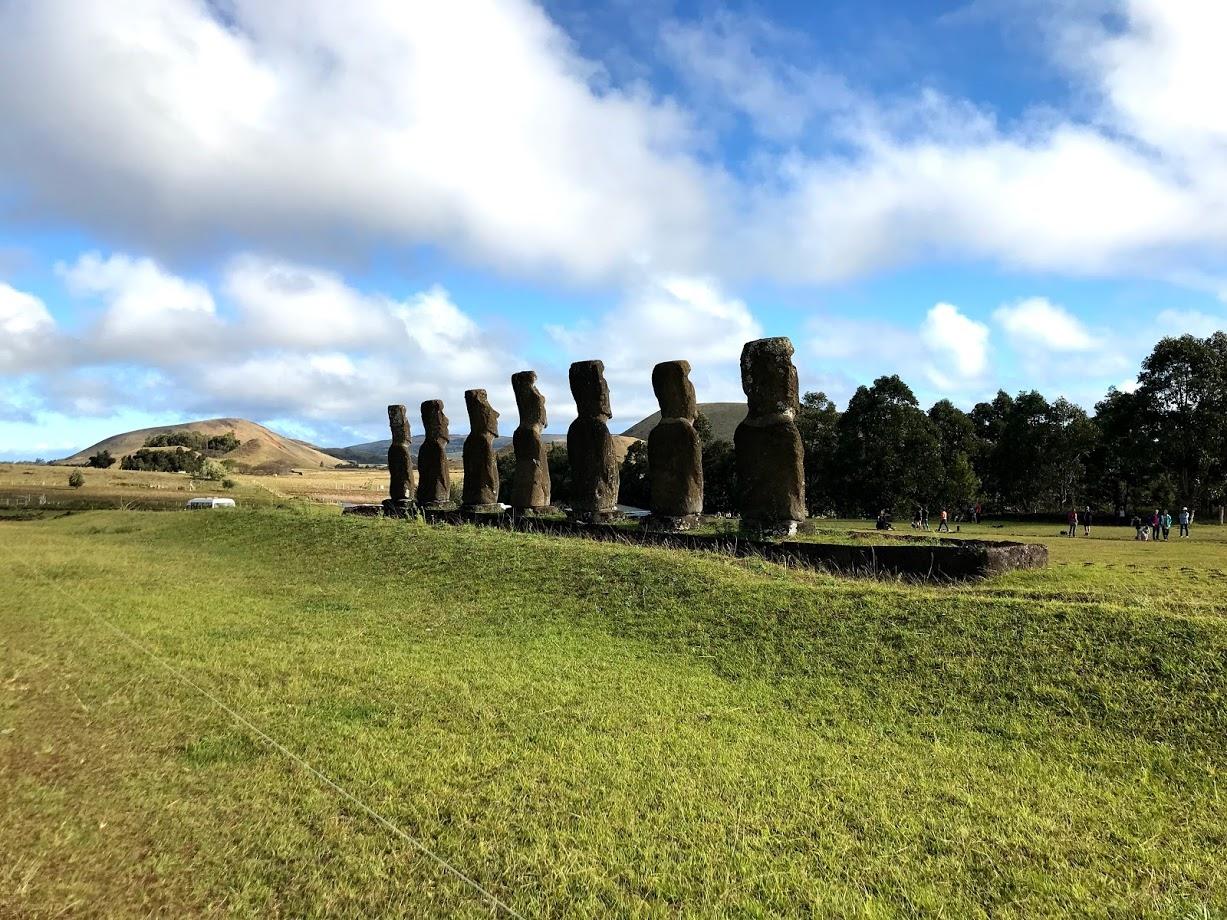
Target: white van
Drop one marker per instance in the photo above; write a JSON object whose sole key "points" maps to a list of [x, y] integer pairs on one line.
{"points": [[195, 503]]}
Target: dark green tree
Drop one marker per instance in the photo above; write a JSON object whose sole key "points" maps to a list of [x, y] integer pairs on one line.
{"points": [[102, 460], [818, 422], [887, 455]]}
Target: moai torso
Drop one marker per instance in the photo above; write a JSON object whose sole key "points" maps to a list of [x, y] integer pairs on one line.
{"points": [[400, 463], [434, 472], [480, 469], [770, 461], [594, 465], [530, 489], [675, 453]]}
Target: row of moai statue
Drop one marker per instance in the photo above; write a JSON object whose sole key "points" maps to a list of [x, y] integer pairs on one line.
{"points": [[767, 444]]}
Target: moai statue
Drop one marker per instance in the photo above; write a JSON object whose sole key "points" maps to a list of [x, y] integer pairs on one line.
{"points": [[434, 472], [530, 489], [400, 465], [594, 465], [770, 462], [675, 453], [480, 491]]}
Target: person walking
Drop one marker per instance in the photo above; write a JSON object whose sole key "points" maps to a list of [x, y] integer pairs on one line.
{"points": [[1166, 521], [1086, 520], [1154, 525], [1184, 521], [1073, 522], [924, 518], [978, 512], [1137, 527], [944, 524]]}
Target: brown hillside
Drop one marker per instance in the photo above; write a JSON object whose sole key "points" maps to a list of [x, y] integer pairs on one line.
{"points": [[724, 418], [262, 450]]}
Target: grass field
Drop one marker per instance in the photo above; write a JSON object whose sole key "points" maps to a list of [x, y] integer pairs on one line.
{"points": [[26, 485], [589, 729]]}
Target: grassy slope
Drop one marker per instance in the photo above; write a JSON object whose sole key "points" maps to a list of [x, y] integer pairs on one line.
{"points": [[592, 729]]}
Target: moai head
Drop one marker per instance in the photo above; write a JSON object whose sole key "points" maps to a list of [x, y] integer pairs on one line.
{"points": [[434, 421], [769, 377], [590, 390], [529, 400], [482, 417], [398, 421], [674, 391]]}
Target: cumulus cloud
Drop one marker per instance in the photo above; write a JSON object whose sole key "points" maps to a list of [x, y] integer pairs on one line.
{"points": [[26, 328], [665, 319], [958, 343], [1037, 323], [307, 128], [148, 312]]}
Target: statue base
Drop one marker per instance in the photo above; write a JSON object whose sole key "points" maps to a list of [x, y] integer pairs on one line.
{"points": [[594, 517], [770, 528], [492, 508], [399, 508], [671, 524]]}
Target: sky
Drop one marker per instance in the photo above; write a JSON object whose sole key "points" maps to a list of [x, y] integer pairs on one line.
{"points": [[298, 211]]}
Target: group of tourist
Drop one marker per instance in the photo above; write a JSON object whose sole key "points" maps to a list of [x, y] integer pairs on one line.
{"points": [[1159, 527]]}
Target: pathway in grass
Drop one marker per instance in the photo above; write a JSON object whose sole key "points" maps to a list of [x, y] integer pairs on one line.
{"points": [[598, 729]]}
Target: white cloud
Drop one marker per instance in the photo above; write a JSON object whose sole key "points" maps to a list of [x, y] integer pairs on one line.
{"points": [[306, 128], [666, 319], [149, 312], [1038, 324], [26, 329], [958, 343], [313, 127]]}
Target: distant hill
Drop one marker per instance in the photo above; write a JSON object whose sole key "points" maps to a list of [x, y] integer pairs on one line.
{"points": [[262, 450], [724, 418], [376, 452]]}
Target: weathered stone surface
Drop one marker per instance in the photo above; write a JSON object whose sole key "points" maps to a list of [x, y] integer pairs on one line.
{"points": [[770, 460], [434, 472], [530, 488], [594, 464], [480, 491], [400, 462], [675, 453]]}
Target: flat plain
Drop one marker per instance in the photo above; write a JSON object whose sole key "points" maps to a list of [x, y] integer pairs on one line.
{"points": [[590, 729]]}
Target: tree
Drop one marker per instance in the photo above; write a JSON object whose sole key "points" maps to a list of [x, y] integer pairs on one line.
{"points": [[1183, 387], [76, 479], [719, 477], [559, 462], [887, 455], [818, 423], [102, 460], [634, 484], [956, 434]]}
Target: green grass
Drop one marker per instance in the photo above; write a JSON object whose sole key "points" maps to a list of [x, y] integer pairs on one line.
{"points": [[593, 729]]}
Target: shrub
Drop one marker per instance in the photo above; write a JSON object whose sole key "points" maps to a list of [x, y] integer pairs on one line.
{"points": [[76, 479], [228, 483], [211, 469]]}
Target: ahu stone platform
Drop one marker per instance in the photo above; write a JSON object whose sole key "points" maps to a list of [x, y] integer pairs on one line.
{"points": [[945, 560]]}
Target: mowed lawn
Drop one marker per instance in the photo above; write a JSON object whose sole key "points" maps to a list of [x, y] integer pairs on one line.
{"points": [[599, 730]]}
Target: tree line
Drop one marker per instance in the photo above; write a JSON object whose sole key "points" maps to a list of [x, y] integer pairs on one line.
{"points": [[1161, 445]]}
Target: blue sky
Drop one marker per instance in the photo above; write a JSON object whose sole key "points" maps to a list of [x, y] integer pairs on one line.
{"points": [[298, 213]]}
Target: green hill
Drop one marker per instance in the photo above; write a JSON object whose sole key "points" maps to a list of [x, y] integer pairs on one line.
{"points": [[724, 418]]}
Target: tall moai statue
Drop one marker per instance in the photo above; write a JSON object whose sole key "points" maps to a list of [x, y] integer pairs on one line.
{"points": [[480, 492], [770, 461], [530, 488], [590, 446], [675, 452], [400, 465], [434, 472]]}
